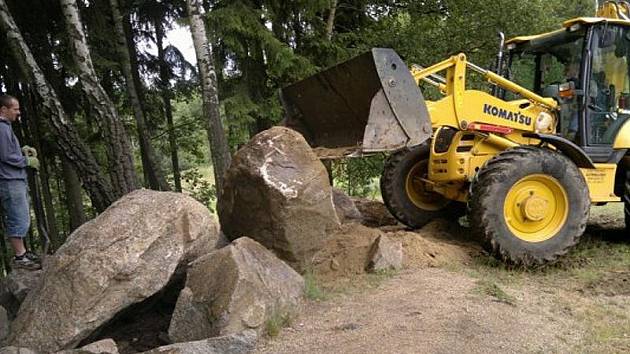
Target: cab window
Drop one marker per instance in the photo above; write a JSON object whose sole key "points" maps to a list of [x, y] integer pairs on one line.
{"points": [[608, 92]]}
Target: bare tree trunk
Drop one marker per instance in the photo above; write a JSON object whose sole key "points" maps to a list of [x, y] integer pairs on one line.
{"points": [[117, 141], [218, 143], [47, 164], [330, 23], [74, 203], [152, 168], [330, 26], [166, 99], [68, 140]]}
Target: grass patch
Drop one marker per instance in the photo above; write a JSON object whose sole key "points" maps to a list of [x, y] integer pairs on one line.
{"points": [[277, 321], [375, 279], [489, 288], [312, 289], [609, 328]]}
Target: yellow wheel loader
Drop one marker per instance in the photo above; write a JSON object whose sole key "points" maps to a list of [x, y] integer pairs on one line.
{"points": [[525, 159]]}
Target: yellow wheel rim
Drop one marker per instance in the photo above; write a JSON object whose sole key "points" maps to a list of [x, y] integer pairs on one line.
{"points": [[536, 208], [417, 191]]}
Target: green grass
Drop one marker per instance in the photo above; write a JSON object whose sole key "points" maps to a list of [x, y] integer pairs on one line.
{"points": [[489, 288], [277, 321], [312, 289]]}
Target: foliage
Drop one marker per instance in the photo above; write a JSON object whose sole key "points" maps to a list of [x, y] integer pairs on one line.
{"points": [[359, 177], [199, 187]]}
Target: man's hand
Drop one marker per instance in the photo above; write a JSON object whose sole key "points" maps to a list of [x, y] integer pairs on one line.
{"points": [[32, 162], [29, 151]]}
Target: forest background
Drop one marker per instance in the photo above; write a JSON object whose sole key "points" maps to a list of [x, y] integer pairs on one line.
{"points": [[109, 115]]}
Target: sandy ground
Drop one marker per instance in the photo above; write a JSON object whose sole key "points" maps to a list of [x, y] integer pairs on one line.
{"points": [[427, 311], [435, 305]]}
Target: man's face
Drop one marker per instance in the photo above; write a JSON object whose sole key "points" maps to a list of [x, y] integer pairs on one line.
{"points": [[11, 113]]}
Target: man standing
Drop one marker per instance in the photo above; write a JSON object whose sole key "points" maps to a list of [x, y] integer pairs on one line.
{"points": [[13, 184]]}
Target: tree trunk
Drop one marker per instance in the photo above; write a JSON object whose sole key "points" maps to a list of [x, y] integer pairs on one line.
{"points": [[74, 200], [216, 135], [151, 167], [166, 99], [66, 137], [330, 26], [47, 163], [330, 23], [117, 141]]}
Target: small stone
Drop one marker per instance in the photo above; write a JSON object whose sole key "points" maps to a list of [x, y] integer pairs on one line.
{"points": [[385, 254], [334, 265]]}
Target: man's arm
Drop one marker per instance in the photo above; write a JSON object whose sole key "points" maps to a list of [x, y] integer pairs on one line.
{"points": [[9, 154]]}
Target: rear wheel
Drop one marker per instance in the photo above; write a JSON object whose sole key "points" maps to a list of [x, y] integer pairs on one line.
{"points": [[404, 191], [530, 204]]}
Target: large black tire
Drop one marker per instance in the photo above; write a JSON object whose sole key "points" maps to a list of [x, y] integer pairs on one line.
{"points": [[529, 204], [404, 195]]}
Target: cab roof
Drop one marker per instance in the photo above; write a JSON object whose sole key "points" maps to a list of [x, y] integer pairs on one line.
{"points": [[569, 24]]}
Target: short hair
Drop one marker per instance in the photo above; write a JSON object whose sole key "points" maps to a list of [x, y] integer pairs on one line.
{"points": [[7, 101]]}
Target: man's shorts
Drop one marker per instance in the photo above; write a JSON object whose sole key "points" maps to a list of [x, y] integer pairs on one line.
{"points": [[14, 199]]}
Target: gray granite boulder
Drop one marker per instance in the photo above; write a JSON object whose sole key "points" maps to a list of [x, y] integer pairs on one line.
{"points": [[277, 192], [232, 289], [120, 258]]}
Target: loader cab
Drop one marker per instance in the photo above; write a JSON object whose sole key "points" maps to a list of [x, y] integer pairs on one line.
{"points": [[586, 68]]}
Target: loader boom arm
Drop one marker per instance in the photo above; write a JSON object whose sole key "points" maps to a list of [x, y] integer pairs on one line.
{"points": [[454, 83]]}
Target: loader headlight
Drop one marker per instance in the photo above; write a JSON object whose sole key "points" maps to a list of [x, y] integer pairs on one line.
{"points": [[543, 122]]}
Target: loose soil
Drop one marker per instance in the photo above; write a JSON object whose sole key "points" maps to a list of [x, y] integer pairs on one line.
{"points": [[451, 297]]}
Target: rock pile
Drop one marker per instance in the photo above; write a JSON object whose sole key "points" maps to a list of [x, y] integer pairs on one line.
{"points": [[165, 249]]}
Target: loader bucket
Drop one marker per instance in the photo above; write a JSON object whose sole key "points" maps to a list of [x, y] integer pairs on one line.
{"points": [[370, 103]]}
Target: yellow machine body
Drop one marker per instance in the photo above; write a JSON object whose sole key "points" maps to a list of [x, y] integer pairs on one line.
{"points": [[463, 109]]}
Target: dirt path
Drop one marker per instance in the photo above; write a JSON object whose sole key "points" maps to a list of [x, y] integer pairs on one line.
{"points": [[427, 310], [455, 308]]}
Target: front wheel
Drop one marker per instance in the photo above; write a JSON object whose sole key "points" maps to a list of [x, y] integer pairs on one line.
{"points": [[405, 192], [530, 205]]}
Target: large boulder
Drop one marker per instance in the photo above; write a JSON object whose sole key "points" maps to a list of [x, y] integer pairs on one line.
{"points": [[277, 192], [235, 288], [239, 343], [125, 255]]}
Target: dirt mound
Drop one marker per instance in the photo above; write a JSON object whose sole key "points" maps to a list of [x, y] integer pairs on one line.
{"points": [[439, 243], [374, 213], [345, 253]]}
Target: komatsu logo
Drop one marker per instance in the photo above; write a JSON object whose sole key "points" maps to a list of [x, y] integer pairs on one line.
{"points": [[516, 117]]}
